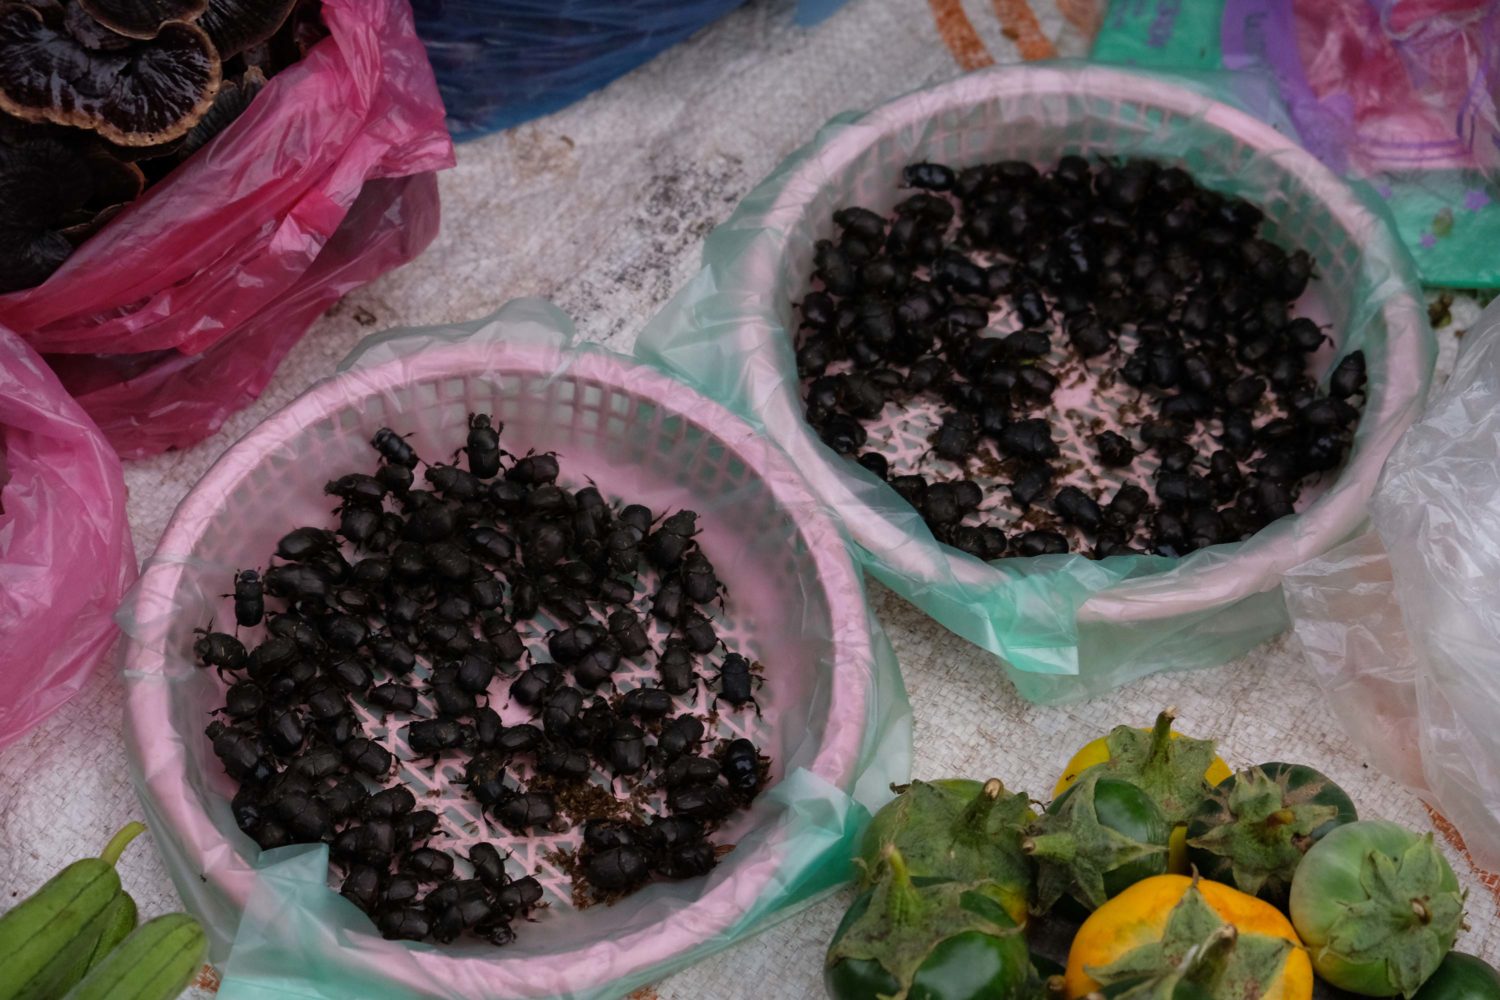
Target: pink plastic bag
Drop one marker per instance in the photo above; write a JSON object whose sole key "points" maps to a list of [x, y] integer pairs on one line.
{"points": [[177, 312], [1406, 78], [66, 556]]}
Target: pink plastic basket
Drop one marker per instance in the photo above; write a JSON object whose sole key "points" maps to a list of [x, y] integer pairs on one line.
{"points": [[795, 603]]}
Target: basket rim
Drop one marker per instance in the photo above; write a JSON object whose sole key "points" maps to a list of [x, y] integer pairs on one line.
{"points": [[1326, 521], [162, 771]]}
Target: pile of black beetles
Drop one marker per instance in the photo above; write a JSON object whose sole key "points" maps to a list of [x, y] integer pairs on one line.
{"points": [[1128, 270], [442, 581]]}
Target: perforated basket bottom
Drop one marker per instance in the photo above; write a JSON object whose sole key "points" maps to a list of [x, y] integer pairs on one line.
{"points": [[463, 822], [1089, 400]]}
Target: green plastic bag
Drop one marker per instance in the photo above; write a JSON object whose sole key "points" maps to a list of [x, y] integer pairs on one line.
{"points": [[835, 717], [1066, 626], [1398, 93]]}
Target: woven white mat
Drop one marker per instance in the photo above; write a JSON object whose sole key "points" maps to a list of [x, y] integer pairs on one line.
{"points": [[603, 208]]}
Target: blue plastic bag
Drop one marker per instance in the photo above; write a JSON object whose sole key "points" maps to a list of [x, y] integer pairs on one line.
{"points": [[503, 62]]}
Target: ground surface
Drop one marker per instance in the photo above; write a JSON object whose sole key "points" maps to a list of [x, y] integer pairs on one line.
{"points": [[603, 208]]}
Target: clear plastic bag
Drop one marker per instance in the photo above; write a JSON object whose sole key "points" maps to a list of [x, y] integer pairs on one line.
{"points": [[66, 556], [176, 313], [835, 719], [1066, 626], [1401, 627]]}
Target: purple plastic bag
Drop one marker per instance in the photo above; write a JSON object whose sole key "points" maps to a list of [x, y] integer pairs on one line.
{"points": [[177, 312], [66, 557], [1384, 85]]}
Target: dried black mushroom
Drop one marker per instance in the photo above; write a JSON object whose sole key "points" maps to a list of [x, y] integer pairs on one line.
{"points": [[53, 193], [127, 81], [142, 94], [236, 25], [233, 98], [141, 18]]}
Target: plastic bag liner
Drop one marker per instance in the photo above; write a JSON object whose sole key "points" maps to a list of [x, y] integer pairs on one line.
{"points": [[835, 719], [503, 62], [1400, 626], [1066, 626], [176, 313], [1400, 92], [66, 556]]}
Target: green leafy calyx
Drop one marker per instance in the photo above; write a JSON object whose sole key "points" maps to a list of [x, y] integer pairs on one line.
{"points": [[1198, 947], [1264, 831], [1074, 851], [1169, 770], [1408, 918], [942, 832], [903, 923]]}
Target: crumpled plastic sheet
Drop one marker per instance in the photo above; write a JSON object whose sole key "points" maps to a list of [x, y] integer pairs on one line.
{"points": [[1400, 626], [1401, 93], [1392, 84], [66, 556], [503, 62], [1066, 626], [844, 729], [176, 313]]}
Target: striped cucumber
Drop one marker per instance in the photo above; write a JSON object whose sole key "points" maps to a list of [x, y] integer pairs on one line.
{"points": [[64, 964], [47, 940], [156, 962], [120, 921]]}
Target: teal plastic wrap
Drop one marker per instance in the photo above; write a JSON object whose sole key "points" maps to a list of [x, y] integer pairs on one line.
{"points": [[836, 721], [1066, 626]]}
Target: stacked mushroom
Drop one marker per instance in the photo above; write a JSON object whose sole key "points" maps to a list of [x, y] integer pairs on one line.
{"points": [[101, 98]]}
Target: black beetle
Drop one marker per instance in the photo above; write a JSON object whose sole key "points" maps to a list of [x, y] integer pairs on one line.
{"points": [[697, 631], [526, 811], [535, 683], [432, 736], [427, 864], [568, 645], [703, 802], [690, 771], [1029, 439], [483, 446], [249, 598], [393, 448], [220, 650], [666, 547], [1039, 543], [679, 736], [564, 763], [362, 887], [388, 803], [616, 869], [534, 469], [736, 678], [489, 865], [628, 633], [648, 703], [1114, 450], [597, 666], [296, 582], [404, 923], [368, 757], [957, 437], [625, 752], [670, 600]]}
